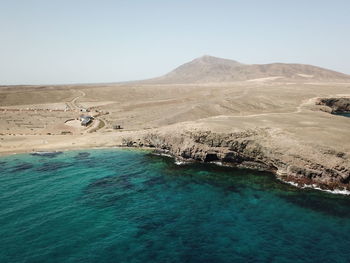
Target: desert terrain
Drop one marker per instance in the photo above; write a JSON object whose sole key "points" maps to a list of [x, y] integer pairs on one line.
{"points": [[267, 117]]}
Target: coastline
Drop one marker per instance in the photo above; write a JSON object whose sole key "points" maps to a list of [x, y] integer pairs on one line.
{"points": [[30, 143], [293, 158], [76, 148], [277, 175], [179, 161], [287, 129], [315, 187]]}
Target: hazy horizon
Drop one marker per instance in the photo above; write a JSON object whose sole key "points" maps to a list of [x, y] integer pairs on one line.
{"points": [[63, 42]]}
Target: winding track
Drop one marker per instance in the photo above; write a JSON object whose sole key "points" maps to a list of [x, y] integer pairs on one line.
{"points": [[299, 109], [73, 103], [96, 126]]}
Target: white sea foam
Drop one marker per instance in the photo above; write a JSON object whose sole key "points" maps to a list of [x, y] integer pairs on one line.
{"points": [[218, 163], [315, 187], [45, 152], [311, 186], [181, 162], [163, 154]]}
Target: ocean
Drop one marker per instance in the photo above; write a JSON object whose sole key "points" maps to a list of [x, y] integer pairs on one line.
{"points": [[345, 114], [116, 205]]}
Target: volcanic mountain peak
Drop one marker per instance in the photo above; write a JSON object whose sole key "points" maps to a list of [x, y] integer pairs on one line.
{"points": [[206, 59], [207, 69]]}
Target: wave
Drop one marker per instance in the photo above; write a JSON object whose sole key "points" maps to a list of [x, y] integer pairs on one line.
{"points": [[315, 187]]}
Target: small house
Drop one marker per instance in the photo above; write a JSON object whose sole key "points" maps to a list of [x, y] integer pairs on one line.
{"points": [[85, 120]]}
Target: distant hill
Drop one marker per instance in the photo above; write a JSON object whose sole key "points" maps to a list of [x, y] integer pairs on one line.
{"points": [[208, 69]]}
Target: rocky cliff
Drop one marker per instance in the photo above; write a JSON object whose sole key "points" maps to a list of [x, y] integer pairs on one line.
{"points": [[335, 104], [262, 149]]}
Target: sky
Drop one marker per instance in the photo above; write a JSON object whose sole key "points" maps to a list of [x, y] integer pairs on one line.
{"points": [[99, 41]]}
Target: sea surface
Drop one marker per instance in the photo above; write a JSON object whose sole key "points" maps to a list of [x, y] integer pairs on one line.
{"points": [[345, 114], [131, 206]]}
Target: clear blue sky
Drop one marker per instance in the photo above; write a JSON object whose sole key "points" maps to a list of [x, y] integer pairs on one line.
{"points": [[82, 41]]}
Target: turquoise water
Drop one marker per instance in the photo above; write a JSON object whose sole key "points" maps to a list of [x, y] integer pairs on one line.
{"points": [[131, 206], [345, 114]]}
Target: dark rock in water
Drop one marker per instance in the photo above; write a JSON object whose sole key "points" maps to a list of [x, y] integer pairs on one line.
{"points": [[232, 188], [121, 181], [105, 182], [108, 191], [124, 182], [82, 155], [149, 225], [318, 204], [3, 163], [154, 181], [22, 167], [109, 184], [46, 154], [53, 166]]}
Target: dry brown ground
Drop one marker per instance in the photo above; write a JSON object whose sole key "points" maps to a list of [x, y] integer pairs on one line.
{"points": [[287, 107]]}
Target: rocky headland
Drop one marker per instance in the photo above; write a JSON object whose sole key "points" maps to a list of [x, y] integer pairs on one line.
{"points": [[279, 147], [258, 149]]}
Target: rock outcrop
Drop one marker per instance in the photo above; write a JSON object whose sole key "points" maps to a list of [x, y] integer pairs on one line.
{"points": [[262, 149], [335, 105]]}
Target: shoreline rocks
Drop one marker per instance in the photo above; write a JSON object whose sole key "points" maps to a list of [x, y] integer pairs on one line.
{"points": [[258, 149], [335, 105]]}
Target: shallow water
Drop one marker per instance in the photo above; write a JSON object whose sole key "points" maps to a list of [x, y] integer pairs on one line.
{"points": [[130, 206], [345, 114]]}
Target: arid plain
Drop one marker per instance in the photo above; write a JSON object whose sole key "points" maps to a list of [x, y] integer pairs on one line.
{"points": [[270, 118]]}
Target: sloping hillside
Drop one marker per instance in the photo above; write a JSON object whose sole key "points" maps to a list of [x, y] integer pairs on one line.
{"points": [[212, 69]]}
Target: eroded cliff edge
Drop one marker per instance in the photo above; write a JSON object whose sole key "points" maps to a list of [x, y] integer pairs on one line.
{"points": [[267, 149], [334, 105]]}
